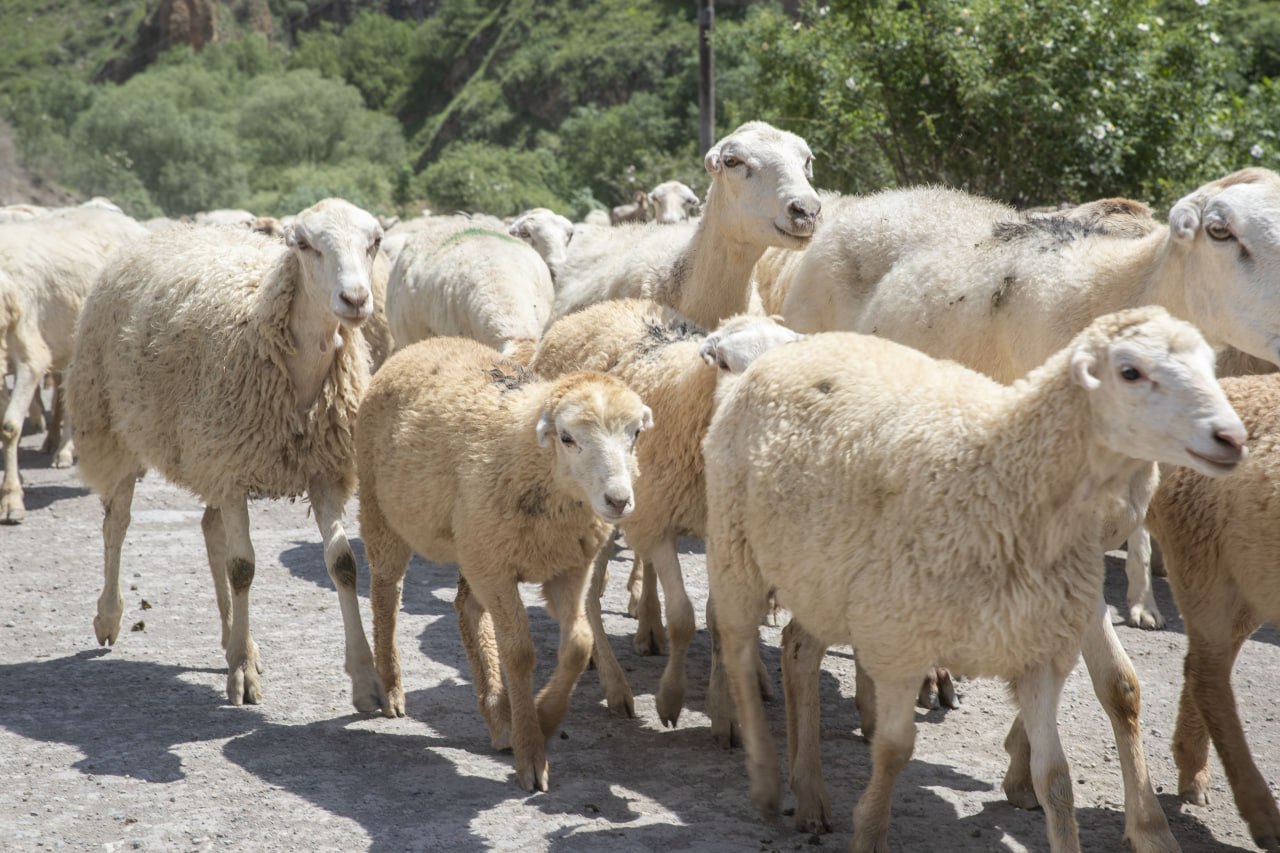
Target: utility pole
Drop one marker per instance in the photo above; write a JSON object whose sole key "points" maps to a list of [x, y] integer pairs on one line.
{"points": [[706, 77]]}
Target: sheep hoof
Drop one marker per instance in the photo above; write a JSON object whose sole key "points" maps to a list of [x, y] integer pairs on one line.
{"points": [[108, 630], [1140, 616], [1195, 796], [727, 736], [12, 513], [766, 794], [650, 641], [669, 709], [815, 821], [622, 706], [64, 459], [532, 775], [1022, 798], [243, 687]]}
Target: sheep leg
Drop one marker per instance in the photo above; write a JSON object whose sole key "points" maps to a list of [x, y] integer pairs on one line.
{"points": [[1208, 678], [115, 521], [801, 668], [516, 651], [59, 441], [476, 626], [935, 691], [724, 725], [635, 588], [680, 628], [243, 684], [864, 698], [650, 638], [1140, 597], [565, 599], [340, 561], [35, 423], [388, 557], [737, 623], [215, 547], [895, 740], [617, 692], [1038, 691], [26, 383]]}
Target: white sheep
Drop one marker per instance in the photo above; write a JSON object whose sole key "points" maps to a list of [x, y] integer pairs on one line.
{"points": [[596, 217], [465, 458], [478, 284], [230, 362], [858, 477], [47, 267], [676, 368], [671, 202], [759, 197], [547, 232], [637, 210], [429, 231], [1220, 540], [227, 218], [969, 279]]}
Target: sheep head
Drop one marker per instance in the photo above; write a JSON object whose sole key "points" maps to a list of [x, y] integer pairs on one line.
{"points": [[335, 243], [1151, 384], [591, 421], [741, 339], [547, 232], [760, 186], [671, 202], [1229, 233]]}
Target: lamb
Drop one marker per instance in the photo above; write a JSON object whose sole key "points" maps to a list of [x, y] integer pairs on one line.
{"points": [[982, 495], [671, 202], [547, 232], [1220, 541], [478, 284], [637, 210], [968, 279], [47, 266], [230, 362], [464, 457], [759, 197], [675, 367]]}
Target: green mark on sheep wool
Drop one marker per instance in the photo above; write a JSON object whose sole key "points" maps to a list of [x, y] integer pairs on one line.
{"points": [[470, 233]]}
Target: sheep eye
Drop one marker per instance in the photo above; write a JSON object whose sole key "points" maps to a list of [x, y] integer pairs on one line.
{"points": [[730, 161], [1218, 230], [1129, 373], [377, 244], [567, 440]]}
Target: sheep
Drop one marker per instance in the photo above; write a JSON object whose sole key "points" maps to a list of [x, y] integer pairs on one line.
{"points": [[479, 284], [230, 362], [638, 210], [430, 231], [596, 217], [377, 329], [464, 457], [47, 266], [675, 367], [547, 232], [268, 225], [671, 202], [965, 278], [759, 197], [960, 489], [227, 218], [1219, 540]]}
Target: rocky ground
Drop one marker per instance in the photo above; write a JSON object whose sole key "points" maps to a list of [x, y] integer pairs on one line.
{"points": [[135, 748]]}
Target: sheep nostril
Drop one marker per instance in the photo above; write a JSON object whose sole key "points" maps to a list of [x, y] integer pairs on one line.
{"points": [[618, 505], [1230, 439], [354, 300]]}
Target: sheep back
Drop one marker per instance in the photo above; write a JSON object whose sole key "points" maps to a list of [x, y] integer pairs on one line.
{"points": [[448, 457], [181, 367]]}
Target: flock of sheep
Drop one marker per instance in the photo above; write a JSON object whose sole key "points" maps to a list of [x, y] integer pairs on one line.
{"points": [[871, 408]]}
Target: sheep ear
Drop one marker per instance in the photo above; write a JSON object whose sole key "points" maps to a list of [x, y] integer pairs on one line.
{"points": [[652, 199], [646, 419], [1082, 364], [546, 426], [293, 239], [712, 161], [708, 351], [1184, 219]]}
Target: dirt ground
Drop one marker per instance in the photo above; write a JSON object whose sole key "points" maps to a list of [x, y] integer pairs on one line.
{"points": [[135, 748]]}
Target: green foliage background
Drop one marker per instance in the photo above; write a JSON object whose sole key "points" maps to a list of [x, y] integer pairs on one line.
{"points": [[499, 105]]}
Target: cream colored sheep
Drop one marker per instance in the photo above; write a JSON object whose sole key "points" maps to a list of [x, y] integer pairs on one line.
{"points": [[969, 279], [377, 329], [230, 362], [226, 218], [428, 231], [759, 197], [675, 368], [465, 458], [637, 210], [47, 267], [1220, 541], [478, 284], [547, 232], [857, 477], [671, 202]]}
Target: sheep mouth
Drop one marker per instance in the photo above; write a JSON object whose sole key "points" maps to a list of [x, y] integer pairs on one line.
{"points": [[797, 238], [1221, 465]]}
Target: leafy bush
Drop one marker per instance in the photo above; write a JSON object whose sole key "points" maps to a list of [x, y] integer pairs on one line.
{"points": [[476, 176]]}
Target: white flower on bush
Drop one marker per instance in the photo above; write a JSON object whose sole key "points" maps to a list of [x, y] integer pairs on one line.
{"points": [[1144, 27], [1099, 131], [1256, 151], [1056, 107], [1215, 38]]}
